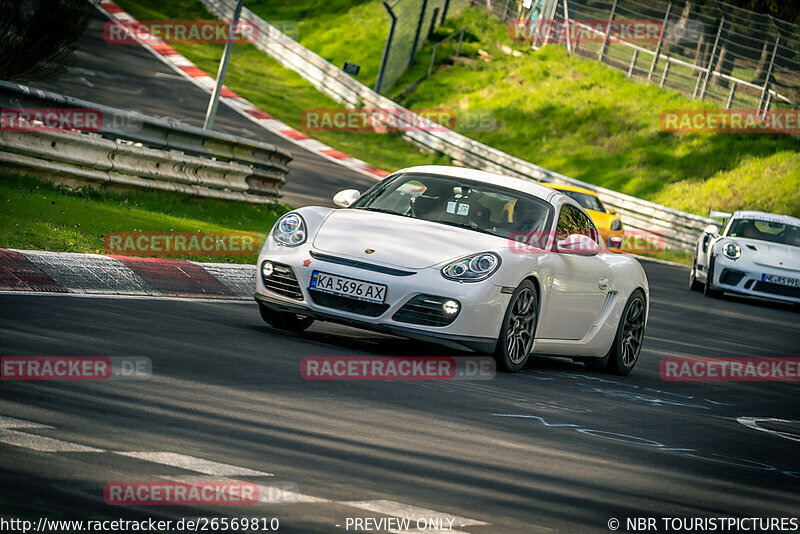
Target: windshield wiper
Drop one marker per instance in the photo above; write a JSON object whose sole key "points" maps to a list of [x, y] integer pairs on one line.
{"points": [[467, 226], [382, 210]]}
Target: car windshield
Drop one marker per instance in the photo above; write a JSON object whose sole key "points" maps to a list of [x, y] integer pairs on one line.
{"points": [[773, 232], [469, 204], [587, 202]]}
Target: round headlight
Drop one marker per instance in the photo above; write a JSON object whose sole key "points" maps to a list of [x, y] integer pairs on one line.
{"points": [[267, 269], [731, 250], [616, 224], [290, 230], [472, 268]]}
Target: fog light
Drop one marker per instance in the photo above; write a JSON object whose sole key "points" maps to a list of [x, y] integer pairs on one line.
{"points": [[266, 269], [450, 307]]}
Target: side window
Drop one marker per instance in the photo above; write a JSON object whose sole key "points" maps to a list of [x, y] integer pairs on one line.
{"points": [[573, 221]]}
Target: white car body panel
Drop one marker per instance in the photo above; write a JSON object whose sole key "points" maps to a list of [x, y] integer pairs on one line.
{"points": [[581, 297], [759, 259]]}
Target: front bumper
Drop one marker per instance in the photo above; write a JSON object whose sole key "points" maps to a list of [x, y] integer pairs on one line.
{"points": [[476, 327], [747, 278]]}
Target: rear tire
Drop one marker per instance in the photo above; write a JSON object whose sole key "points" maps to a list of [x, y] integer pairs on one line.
{"points": [[515, 342], [290, 322], [627, 343]]}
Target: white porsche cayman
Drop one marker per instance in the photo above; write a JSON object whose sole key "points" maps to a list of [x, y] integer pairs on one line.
{"points": [[757, 254], [463, 258]]}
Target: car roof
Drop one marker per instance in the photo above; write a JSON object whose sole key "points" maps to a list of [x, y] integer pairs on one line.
{"points": [[764, 216], [520, 184], [567, 187]]}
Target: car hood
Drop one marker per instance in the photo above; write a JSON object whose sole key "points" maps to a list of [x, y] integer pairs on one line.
{"points": [[774, 255], [396, 240]]}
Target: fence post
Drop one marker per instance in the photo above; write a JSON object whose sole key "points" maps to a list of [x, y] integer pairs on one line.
{"points": [[566, 21], [211, 111], [387, 48], [444, 10], [608, 30], [769, 73], [660, 41], [711, 59], [460, 40], [416, 35], [633, 61], [732, 94], [664, 74]]}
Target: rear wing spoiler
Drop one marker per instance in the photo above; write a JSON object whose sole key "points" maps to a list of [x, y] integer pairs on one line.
{"points": [[718, 215]]}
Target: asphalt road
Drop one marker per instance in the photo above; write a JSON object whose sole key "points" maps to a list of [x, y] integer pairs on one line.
{"points": [[555, 448], [588, 447], [130, 77]]}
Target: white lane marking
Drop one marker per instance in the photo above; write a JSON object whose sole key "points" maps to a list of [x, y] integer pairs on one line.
{"points": [[752, 422], [10, 422], [192, 463], [407, 511], [224, 300], [41, 443]]}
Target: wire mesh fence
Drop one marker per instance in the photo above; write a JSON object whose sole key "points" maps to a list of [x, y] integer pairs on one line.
{"points": [[704, 48], [410, 23]]}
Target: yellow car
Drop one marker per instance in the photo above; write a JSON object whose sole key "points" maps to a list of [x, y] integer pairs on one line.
{"points": [[606, 221]]}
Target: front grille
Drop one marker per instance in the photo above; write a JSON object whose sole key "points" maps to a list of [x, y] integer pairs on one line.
{"points": [[731, 277], [370, 309], [361, 264], [426, 310], [283, 282], [777, 289]]}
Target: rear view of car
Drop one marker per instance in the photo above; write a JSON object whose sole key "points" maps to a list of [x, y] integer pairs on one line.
{"points": [[606, 220]]}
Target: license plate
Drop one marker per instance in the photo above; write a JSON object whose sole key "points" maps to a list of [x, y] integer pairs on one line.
{"points": [[782, 280], [348, 287]]}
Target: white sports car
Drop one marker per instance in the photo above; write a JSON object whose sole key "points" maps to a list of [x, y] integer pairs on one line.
{"points": [[463, 258], [757, 254]]}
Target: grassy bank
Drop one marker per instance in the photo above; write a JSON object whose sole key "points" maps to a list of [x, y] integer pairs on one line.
{"points": [[38, 215], [568, 114]]}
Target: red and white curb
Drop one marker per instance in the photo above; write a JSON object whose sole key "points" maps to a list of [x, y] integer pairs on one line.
{"points": [[198, 77], [67, 272]]}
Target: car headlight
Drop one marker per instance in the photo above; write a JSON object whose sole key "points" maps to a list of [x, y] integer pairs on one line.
{"points": [[290, 230], [472, 268], [616, 224], [731, 250]]}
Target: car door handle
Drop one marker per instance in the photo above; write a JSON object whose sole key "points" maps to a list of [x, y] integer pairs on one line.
{"points": [[603, 283]]}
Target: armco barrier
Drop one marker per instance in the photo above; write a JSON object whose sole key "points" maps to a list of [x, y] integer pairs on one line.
{"points": [[134, 150], [678, 228]]}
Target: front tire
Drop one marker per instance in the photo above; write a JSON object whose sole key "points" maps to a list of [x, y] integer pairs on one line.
{"points": [[627, 343], [290, 322], [516, 337], [694, 285], [708, 288]]}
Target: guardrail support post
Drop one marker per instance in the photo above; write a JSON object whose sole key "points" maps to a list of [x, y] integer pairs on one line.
{"points": [[608, 31], [659, 43], [223, 68]]}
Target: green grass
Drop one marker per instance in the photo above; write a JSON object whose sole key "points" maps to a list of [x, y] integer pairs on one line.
{"points": [[37, 215], [566, 113]]}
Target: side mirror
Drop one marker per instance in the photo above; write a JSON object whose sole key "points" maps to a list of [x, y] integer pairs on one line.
{"points": [[346, 197], [578, 244], [612, 211], [712, 229]]}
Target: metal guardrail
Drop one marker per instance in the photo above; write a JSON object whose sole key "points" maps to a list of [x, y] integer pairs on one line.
{"points": [[679, 229], [130, 149]]}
